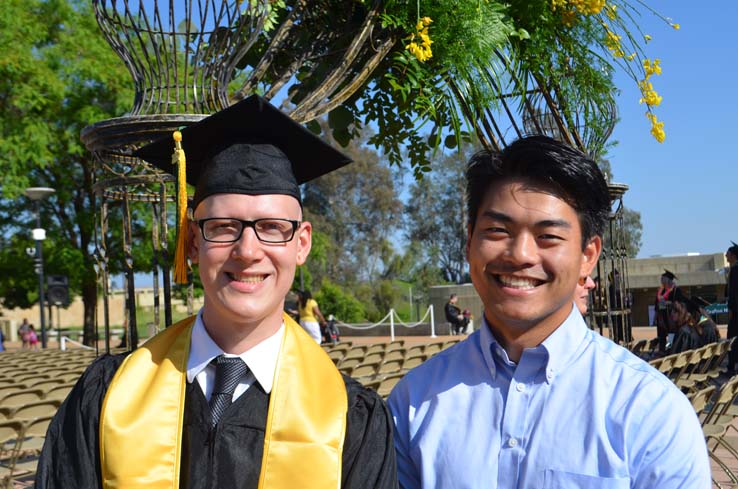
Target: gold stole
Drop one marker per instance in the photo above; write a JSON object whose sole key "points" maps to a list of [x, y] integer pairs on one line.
{"points": [[142, 414]]}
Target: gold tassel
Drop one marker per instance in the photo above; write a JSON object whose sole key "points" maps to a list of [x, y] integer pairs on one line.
{"points": [[181, 267]]}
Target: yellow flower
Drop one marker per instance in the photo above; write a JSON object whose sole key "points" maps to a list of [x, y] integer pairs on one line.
{"points": [[568, 17], [651, 68], [612, 41], [647, 37], [611, 11], [657, 128], [422, 50], [558, 3], [650, 96], [631, 56], [676, 26]]}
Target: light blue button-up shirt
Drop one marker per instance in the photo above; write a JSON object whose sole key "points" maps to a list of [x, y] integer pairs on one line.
{"points": [[577, 411]]}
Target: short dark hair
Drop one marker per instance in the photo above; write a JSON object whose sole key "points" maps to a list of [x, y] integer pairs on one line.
{"points": [[567, 172]]}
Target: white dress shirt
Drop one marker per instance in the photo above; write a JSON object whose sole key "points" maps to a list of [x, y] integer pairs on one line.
{"points": [[261, 360]]}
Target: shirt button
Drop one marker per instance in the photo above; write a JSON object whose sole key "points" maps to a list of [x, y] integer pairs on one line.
{"points": [[512, 442], [520, 387]]}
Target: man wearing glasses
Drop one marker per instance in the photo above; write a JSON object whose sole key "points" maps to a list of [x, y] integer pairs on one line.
{"points": [[240, 395]]}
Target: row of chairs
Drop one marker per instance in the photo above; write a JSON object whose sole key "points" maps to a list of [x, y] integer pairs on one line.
{"points": [[716, 410], [19, 397], [693, 370], [386, 351], [20, 444]]}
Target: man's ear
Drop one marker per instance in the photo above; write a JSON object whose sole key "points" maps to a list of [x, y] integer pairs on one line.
{"points": [[193, 244], [590, 255], [304, 237]]}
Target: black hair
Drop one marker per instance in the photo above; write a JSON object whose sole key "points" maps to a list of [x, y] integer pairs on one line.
{"points": [[555, 166], [304, 296]]}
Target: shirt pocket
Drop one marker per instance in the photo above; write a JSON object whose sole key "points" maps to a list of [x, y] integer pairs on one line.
{"points": [[557, 479]]}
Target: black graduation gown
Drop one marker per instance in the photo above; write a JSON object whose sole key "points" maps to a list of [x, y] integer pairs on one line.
{"points": [[228, 456]]}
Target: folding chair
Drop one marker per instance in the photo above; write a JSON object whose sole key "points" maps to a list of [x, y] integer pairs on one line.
{"points": [[390, 366], [40, 409], [11, 435], [638, 346], [59, 392], [347, 363], [413, 362], [365, 370], [377, 348], [388, 383], [374, 357], [433, 348], [22, 397], [394, 355]]}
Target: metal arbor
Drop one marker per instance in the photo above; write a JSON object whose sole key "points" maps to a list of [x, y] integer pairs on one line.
{"points": [[190, 58], [610, 300]]}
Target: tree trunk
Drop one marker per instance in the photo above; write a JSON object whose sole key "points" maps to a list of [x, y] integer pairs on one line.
{"points": [[89, 299]]}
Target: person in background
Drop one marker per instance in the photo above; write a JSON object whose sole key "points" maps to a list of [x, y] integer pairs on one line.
{"points": [[310, 316], [666, 294], [534, 398], [581, 293], [32, 337], [732, 298], [291, 306], [454, 315], [23, 330], [2, 341], [696, 327]]}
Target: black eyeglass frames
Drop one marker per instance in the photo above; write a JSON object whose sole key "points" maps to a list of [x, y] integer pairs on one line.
{"points": [[229, 230]]}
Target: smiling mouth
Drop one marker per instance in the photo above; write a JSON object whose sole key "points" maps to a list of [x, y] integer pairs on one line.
{"points": [[246, 279], [520, 283]]}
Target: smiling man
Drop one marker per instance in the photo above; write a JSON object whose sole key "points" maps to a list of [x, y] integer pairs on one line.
{"points": [[534, 398], [238, 396]]}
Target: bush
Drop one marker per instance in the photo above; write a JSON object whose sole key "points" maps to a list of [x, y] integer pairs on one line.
{"points": [[334, 300]]}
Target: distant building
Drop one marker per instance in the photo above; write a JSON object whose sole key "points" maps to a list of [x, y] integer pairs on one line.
{"points": [[703, 275]]}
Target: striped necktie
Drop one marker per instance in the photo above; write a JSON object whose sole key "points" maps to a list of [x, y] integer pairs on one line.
{"points": [[228, 372]]}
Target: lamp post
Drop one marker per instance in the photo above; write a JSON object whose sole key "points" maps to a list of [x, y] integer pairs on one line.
{"points": [[39, 235]]}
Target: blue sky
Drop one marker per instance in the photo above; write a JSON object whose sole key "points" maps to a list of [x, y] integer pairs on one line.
{"points": [[686, 189]]}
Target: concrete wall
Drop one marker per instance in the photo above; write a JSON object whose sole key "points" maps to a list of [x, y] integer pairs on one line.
{"points": [[702, 275], [73, 316]]}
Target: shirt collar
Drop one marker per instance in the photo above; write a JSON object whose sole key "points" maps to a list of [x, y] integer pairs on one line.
{"points": [[261, 359], [561, 346]]}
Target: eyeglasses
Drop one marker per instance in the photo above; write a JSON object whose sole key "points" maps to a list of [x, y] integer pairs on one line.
{"points": [[229, 230]]}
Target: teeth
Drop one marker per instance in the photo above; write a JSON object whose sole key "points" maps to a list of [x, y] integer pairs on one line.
{"points": [[517, 282], [249, 279]]}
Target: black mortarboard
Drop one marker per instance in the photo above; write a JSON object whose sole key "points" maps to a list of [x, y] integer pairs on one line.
{"points": [[250, 148], [668, 274], [694, 304], [733, 248]]}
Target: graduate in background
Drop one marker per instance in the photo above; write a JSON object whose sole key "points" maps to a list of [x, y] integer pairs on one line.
{"points": [[238, 396]]}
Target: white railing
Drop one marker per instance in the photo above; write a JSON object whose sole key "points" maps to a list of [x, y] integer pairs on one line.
{"points": [[66, 339], [391, 315]]}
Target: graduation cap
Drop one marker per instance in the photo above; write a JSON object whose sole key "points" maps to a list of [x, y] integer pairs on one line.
{"points": [[733, 248], [694, 304], [249, 148], [668, 274]]}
